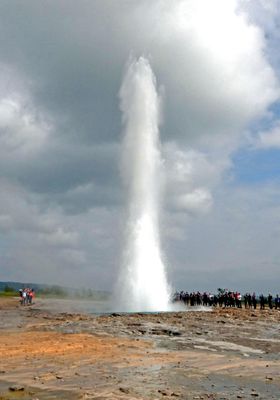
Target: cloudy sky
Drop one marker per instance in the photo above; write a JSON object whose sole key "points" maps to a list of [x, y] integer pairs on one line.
{"points": [[217, 66]]}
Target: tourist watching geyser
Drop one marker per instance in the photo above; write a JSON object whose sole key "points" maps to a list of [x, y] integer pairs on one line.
{"points": [[227, 298], [26, 296]]}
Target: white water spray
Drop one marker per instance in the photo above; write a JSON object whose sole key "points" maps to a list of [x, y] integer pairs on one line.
{"points": [[142, 285]]}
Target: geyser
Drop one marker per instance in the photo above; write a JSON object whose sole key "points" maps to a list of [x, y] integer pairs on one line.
{"points": [[142, 284]]}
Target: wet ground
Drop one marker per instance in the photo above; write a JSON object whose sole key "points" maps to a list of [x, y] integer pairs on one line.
{"points": [[48, 352]]}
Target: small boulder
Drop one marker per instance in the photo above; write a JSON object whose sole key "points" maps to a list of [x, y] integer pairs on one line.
{"points": [[16, 388], [124, 390]]}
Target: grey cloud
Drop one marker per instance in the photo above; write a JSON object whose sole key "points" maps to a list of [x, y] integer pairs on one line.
{"points": [[75, 52], [47, 245], [56, 170], [60, 48], [268, 139], [235, 245]]}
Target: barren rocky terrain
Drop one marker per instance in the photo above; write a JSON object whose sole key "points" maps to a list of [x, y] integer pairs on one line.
{"points": [[220, 354]]}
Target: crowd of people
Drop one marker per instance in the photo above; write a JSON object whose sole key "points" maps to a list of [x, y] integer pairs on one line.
{"points": [[227, 298], [26, 296]]}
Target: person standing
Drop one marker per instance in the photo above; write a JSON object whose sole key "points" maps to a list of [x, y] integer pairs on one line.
{"points": [[262, 302], [254, 300], [269, 300], [277, 301]]}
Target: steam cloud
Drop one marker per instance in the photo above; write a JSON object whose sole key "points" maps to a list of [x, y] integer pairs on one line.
{"points": [[143, 285]]}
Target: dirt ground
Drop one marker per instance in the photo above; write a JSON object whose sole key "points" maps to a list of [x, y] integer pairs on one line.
{"points": [[219, 354]]}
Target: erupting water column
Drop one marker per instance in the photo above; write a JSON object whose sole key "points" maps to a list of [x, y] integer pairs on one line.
{"points": [[142, 285]]}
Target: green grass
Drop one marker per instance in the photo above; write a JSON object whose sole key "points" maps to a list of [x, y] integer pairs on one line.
{"points": [[8, 294]]}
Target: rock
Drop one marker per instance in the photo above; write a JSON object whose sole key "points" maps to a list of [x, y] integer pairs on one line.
{"points": [[164, 392], [175, 333], [16, 388], [59, 377], [254, 394], [124, 390], [168, 332], [269, 378]]}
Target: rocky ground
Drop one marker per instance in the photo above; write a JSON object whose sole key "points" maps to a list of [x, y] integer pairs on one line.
{"points": [[223, 354]]}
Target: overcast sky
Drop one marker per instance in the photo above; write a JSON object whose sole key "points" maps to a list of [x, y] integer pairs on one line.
{"points": [[217, 65]]}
